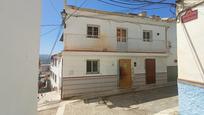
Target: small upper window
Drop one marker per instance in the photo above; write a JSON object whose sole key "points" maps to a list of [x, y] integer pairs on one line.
{"points": [[147, 35], [92, 31], [92, 66], [121, 35]]}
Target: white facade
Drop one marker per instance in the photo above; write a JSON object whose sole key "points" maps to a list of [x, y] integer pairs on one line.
{"points": [[107, 49], [56, 72], [108, 62], [108, 23], [190, 56], [19, 47], [190, 67]]}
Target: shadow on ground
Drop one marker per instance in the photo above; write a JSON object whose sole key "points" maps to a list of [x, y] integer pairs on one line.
{"points": [[154, 100]]}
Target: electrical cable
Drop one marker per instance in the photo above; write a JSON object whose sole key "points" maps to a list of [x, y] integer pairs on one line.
{"points": [[133, 8], [56, 40], [115, 4], [76, 10], [126, 3], [194, 50], [46, 25], [43, 34], [149, 4], [162, 3], [53, 6]]}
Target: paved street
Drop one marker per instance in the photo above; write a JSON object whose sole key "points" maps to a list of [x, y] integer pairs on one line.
{"points": [[162, 101]]}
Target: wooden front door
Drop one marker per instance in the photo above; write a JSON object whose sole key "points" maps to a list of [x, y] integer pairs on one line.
{"points": [[150, 71], [125, 73]]}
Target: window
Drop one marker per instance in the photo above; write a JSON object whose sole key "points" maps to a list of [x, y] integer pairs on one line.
{"points": [[92, 66], [121, 35], [92, 31], [55, 79], [147, 35]]}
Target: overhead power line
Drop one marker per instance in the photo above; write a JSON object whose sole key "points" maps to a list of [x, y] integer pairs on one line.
{"points": [[56, 40], [53, 6], [125, 3], [122, 6], [132, 8], [47, 25], [149, 4], [49, 31], [75, 10], [162, 3]]}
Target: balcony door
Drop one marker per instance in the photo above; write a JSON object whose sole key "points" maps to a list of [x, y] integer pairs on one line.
{"points": [[121, 39]]}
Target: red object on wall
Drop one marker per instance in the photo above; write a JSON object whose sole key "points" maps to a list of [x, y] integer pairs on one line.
{"points": [[189, 16]]}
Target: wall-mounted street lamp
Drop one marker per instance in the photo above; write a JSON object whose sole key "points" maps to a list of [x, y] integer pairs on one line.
{"points": [[64, 16]]}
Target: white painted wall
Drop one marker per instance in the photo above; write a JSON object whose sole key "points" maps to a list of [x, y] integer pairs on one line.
{"points": [[172, 41], [189, 68], [75, 65], [75, 34], [19, 47], [56, 70]]}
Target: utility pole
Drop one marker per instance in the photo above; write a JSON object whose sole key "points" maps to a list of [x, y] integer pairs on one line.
{"points": [[65, 3], [64, 14]]}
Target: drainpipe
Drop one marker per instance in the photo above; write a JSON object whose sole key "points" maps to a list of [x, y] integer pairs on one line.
{"points": [[166, 38]]}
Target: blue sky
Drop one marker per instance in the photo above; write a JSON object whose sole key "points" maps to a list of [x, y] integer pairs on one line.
{"points": [[51, 15]]}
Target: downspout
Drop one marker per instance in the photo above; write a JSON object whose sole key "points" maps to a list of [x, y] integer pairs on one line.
{"points": [[166, 38]]}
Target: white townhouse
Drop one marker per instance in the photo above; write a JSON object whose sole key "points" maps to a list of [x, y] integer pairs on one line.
{"points": [[56, 71], [108, 52]]}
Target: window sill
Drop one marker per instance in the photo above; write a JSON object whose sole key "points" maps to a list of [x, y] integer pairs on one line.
{"points": [[93, 36], [92, 73]]}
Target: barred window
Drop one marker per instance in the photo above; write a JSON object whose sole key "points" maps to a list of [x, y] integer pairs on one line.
{"points": [[121, 35], [92, 31], [92, 66], [147, 35]]}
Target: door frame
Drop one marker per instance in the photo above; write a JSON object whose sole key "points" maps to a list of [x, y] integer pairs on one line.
{"points": [[154, 71], [130, 74]]}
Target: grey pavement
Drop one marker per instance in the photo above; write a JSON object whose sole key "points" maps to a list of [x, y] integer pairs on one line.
{"points": [[161, 101]]}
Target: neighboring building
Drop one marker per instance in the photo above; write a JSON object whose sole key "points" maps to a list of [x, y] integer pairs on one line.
{"points": [[19, 47], [190, 56], [44, 59], [115, 52], [56, 71], [44, 70], [44, 82]]}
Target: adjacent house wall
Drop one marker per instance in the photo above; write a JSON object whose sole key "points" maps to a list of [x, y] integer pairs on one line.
{"points": [[172, 70], [190, 63], [19, 47]]}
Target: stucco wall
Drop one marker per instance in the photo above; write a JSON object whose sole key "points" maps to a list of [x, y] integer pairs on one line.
{"points": [[19, 47], [75, 65], [189, 68], [77, 83], [75, 38], [56, 70], [190, 63], [172, 44]]}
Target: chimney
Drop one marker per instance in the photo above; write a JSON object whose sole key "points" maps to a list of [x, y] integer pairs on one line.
{"points": [[156, 17], [143, 14]]}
